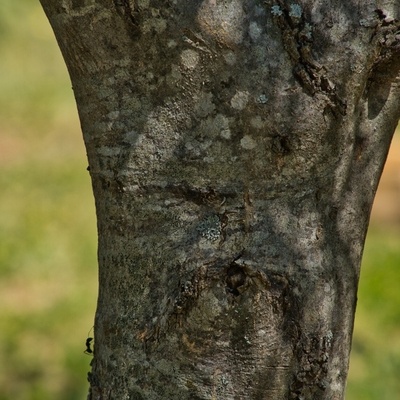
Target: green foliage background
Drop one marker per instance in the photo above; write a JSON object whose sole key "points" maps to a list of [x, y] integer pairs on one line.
{"points": [[48, 272]]}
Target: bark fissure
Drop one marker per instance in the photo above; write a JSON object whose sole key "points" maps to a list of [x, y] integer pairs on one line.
{"points": [[297, 36], [386, 64], [313, 353]]}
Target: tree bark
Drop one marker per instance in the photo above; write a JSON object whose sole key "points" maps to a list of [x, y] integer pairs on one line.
{"points": [[235, 147]]}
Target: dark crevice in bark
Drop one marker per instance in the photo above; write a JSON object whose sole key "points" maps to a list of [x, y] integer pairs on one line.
{"points": [[236, 279], [313, 352], [386, 66], [131, 13], [297, 36]]}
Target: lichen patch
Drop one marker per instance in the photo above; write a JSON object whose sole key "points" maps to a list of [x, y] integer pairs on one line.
{"points": [[240, 100], [189, 58], [247, 142], [254, 31]]}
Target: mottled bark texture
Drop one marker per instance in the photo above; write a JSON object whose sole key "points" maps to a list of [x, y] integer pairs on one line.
{"points": [[235, 147]]}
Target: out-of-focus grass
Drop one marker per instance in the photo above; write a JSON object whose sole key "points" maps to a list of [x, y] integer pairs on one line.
{"points": [[48, 282], [375, 358], [48, 273]]}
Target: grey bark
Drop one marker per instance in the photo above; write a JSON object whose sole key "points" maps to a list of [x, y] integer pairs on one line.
{"points": [[235, 147]]}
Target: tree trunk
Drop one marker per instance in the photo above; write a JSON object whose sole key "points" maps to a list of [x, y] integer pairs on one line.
{"points": [[235, 147]]}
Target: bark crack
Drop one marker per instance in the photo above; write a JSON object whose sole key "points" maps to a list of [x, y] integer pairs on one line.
{"points": [[297, 36], [131, 13], [313, 353], [386, 67]]}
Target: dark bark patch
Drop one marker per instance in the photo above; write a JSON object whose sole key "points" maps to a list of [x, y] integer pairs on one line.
{"points": [[281, 145], [235, 279], [387, 64], [359, 147], [201, 196], [131, 14], [77, 4], [297, 37], [190, 290], [380, 83], [313, 353]]}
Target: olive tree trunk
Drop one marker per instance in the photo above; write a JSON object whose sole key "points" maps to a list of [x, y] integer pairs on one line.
{"points": [[235, 147]]}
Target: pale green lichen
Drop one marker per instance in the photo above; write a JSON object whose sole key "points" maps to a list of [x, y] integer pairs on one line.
{"points": [[254, 31], [308, 30], [295, 10], [210, 228], [262, 99], [276, 10], [366, 23], [329, 337]]}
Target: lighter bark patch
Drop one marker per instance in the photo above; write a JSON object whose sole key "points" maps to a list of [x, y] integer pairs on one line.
{"points": [[205, 105], [221, 123], [257, 122], [189, 58], [155, 24], [240, 100], [254, 31], [143, 4], [171, 44], [230, 58], [226, 133], [223, 20], [247, 142], [113, 115], [109, 151], [174, 76]]}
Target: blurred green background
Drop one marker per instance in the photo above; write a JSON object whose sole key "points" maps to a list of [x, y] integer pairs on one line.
{"points": [[48, 271]]}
